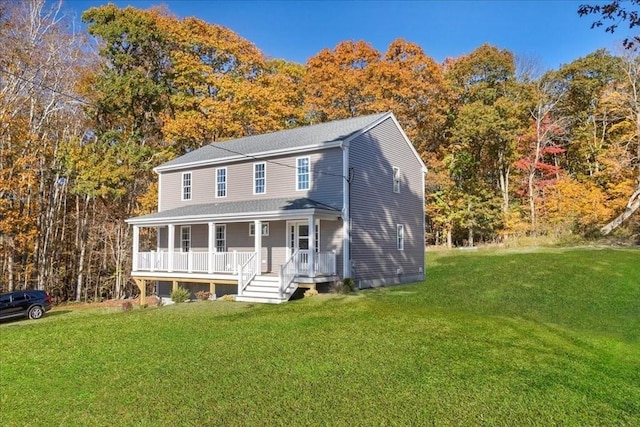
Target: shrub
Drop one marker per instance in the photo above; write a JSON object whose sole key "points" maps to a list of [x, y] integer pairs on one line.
{"points": [[203, 295], [180, 295], [227, 298], [127, 306], [310, 293], [343, 286]]}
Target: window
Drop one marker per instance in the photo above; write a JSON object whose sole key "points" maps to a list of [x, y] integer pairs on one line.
{"points": [[185, 238], [396, 180], [260, 178], [221, 182], [221, 238], [186, 186], [252, 229], [400, 237], [302, 173]]}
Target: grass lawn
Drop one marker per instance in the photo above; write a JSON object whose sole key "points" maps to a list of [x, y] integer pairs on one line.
{"points": [[539, 337]]}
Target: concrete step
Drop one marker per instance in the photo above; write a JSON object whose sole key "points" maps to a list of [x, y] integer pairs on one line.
{"points": [[263, 300]]}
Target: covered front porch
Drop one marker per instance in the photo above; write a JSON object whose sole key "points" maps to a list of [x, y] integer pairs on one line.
{"points": [[265, 256]]}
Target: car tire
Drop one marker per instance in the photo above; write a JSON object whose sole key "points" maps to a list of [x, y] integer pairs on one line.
{"points": [[36, 312]]}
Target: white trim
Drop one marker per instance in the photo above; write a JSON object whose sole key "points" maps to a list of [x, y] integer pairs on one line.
{"points": [[346, 238], [237, 217], [244, 157], [297, 222], [182, 186], [215, 237], [400, 237], [308, 173], [182, 240], [252, 230], [226, 182], [159, 192], [264, 178], [408, 141], [396, 179]]}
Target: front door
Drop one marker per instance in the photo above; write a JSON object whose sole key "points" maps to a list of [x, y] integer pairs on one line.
{"points": [[298, 236]]}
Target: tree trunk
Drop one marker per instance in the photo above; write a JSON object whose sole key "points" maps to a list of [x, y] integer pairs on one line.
{"points": [[632, 205]]}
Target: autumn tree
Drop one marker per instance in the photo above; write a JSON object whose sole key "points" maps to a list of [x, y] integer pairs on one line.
{"points": [[610, 15], [488, 115], [40, 55]]}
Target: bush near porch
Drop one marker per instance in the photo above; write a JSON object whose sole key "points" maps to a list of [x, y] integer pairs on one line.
{"points": [[544, 337]]}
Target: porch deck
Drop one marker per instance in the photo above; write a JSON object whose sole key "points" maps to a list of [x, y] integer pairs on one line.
{"points": [[235, 268]]}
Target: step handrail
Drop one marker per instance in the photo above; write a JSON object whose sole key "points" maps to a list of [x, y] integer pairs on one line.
{"points": [[246, 273], [288, 272]]}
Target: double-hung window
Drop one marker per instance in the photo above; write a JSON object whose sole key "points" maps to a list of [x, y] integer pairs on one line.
{"points": [[259, 178], [221, 182], [303, 169], [221, 238], [252, 229], [185, 238], [186, 186], [400, 237], [396, 179]]}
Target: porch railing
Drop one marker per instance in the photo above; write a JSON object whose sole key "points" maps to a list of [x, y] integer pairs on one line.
{"points": [[288, 272], [246, 272], [192, 261], [324, 263]]}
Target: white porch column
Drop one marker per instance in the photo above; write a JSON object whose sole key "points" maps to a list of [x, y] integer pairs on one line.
{"points": [[211, 246], [312, 246], [170, 244], [136, 242], [258, 245]]}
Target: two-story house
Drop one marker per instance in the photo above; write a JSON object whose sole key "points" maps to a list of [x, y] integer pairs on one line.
{"points": [[269, 213]]}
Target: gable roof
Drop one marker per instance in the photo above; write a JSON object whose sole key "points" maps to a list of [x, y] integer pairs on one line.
{"points": [[322, 135], [234, 211]]}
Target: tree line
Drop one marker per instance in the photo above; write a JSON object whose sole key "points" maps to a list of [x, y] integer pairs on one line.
{"points": [[85, 115]]}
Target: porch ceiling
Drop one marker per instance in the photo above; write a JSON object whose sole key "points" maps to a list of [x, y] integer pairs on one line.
{"points": [[241, 211]]}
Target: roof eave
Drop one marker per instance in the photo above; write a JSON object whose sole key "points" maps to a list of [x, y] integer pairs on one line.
{"points": [[251, 156], [236, 217]]}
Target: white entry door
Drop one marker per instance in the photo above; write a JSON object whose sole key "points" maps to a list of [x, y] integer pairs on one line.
{"points": [[298, 236]]}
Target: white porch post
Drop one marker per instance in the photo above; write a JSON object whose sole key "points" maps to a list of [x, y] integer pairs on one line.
{"points": [[170, 243], [258, 245], [136, 242], [312, 246], [211, 245]]}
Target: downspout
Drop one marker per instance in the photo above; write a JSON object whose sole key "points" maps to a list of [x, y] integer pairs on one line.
{"points": [[346, 212]]}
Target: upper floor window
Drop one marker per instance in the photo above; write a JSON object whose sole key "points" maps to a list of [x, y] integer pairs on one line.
{"points": [[221, 182], [186, 186], [396, 180], [302, 173], [260, 178], [400, 237]]}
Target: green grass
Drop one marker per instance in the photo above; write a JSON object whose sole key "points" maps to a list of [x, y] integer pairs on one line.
{"points": [[546, 337]]}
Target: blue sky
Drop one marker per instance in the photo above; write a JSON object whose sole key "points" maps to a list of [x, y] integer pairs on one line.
{"points": [[549, 30]]}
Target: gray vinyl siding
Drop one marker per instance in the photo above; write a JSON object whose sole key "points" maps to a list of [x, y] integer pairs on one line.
{"points": [[331, 240], [325, 186], [376, 209]]}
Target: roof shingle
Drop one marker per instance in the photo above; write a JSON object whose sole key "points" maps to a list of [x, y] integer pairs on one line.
{"points": [[337, 130]]}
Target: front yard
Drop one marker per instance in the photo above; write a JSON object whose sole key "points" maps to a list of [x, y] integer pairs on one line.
{"points": [[544, 337]]}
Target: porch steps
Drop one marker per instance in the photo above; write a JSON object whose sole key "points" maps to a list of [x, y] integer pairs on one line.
{"points": [[264, 289]]}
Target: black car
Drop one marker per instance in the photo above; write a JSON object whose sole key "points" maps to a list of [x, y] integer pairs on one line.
{"points": [[32, 304]]}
